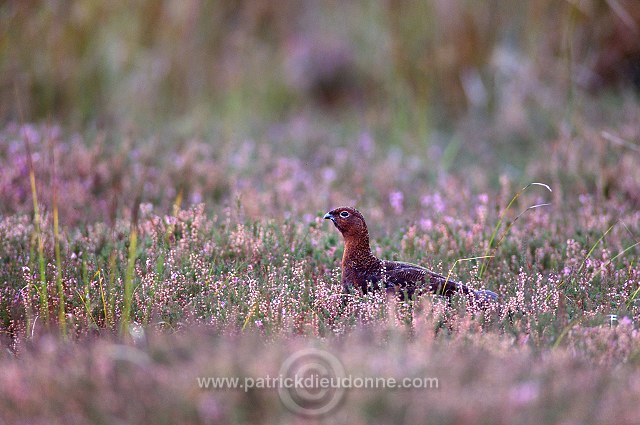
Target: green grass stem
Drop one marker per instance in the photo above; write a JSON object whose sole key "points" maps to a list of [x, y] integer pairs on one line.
{"points": [[485, 263]]}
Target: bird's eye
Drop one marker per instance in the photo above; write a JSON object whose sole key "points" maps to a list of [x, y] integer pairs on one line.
{"points": [[344, 214]]}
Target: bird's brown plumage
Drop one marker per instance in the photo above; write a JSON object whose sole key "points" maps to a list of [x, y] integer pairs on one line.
{"points": [[363, 271]]}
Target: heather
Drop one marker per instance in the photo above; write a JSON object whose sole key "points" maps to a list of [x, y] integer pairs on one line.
{"points": [[162, 189]]}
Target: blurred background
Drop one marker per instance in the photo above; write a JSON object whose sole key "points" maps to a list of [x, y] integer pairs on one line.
{"points": [[232, 90]]}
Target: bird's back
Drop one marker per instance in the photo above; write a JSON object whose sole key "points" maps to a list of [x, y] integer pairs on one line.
{"points": [[410, 277]]}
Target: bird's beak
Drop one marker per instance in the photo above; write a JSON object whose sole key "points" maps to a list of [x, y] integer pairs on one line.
{"points": [[330, 216]]}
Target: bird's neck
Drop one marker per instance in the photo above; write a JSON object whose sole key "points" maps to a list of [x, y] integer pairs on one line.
{"points": [[357, 250]]}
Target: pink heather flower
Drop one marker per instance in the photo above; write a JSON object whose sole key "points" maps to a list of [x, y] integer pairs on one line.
{"points": [[426, 224], [366, 143], [435, 202], [525, 393], [329, 174], [196, 197], [396, 199], [625, 321], [31, 133]]}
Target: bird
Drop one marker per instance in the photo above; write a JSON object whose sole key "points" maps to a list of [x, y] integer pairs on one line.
{"points": [[364, 272]]}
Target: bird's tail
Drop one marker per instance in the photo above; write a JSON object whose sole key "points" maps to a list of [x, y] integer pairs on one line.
{"points": [[486, 296], [441, 286]]}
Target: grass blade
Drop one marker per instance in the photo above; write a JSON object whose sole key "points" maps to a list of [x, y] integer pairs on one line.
{"points": [[485, 263], [56, 242]]}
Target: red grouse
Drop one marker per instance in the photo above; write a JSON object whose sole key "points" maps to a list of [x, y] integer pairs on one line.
{"points": [[364, 271]]}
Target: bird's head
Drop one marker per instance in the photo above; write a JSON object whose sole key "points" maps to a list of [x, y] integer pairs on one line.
{"points": [[349, 221]]}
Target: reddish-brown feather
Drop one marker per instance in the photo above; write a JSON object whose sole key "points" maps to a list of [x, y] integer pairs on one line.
{"points": [[363, 271]]}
